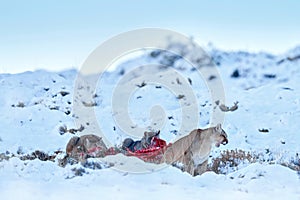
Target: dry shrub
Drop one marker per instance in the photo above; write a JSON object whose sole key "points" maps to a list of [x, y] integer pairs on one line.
{"points": [[294, 163], [19, 105], [229, 160], [37, 154], [63, 129], [4, 156], [89, 104]]}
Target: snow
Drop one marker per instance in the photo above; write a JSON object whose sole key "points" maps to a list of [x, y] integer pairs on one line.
{"points": [[38, 180], [35, 104]]}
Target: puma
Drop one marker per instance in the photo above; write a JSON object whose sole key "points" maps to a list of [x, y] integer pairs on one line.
{"points": [[80, 148], [192, 150], [130, 144]]}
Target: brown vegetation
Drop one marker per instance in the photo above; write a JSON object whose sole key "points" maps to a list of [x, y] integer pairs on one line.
{"points": [[233, 158]]}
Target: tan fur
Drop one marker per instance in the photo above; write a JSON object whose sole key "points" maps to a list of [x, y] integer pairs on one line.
{"points": [[147, 139], [193, 149], [79, 148]]}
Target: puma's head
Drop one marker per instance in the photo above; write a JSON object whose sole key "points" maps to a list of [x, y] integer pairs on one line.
{"points": [[73, 142], [148, 137], [220, 137]]}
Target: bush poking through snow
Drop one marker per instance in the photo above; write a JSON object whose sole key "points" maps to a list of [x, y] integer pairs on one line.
{"points": [[294, 163], [89, 104], [94, 163], [63, 129], [19, 105], [263, 130], [230, 160], [79, 171], [225, 108], [4, 156], [64, 93], [37, 154]]}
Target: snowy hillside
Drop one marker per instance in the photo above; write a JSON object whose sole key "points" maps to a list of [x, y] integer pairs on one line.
{"points": [[260, 161]]}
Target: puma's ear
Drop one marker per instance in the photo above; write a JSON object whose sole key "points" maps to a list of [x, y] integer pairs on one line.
{"points": [[219, 128]]}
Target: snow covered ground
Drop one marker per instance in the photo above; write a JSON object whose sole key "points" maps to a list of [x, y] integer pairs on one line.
{"points": [[35, 104]]}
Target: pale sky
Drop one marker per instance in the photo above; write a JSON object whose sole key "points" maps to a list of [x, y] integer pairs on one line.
{"points": [[56, 34]]}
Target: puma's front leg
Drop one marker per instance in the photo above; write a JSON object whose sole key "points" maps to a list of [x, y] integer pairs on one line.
{"points": [[201, 168]]}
